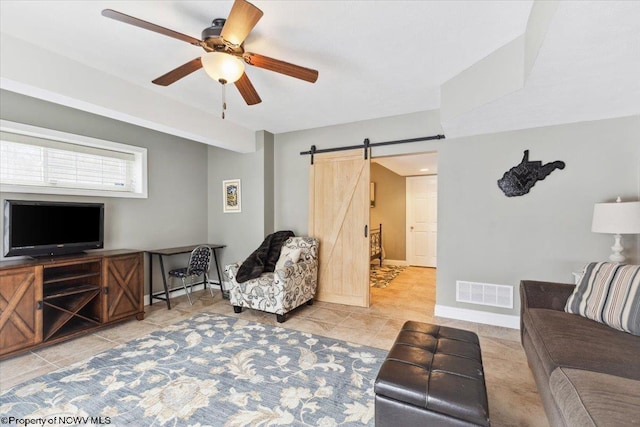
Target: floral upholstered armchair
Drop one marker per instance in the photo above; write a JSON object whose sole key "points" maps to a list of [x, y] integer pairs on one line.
{"points": [[292, 284]]}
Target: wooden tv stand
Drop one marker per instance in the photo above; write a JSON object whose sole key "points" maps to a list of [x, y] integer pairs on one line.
{"points": [[45, 301]]}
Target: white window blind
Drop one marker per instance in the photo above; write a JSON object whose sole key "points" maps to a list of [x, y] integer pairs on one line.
{"points": [[32, 161]]}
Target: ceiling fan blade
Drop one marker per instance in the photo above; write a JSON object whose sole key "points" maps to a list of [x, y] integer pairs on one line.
{"points": [[248, 92], [242, 18], [178, 73], [118, 16], [281, 67]]}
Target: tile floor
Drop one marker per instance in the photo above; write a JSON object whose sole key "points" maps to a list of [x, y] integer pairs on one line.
{"points": [[513, 399]]}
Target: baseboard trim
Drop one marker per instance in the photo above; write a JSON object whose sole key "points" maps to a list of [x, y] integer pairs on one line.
{"points": [[495, 319], [172, 294], [400, 262], [179, 291]]}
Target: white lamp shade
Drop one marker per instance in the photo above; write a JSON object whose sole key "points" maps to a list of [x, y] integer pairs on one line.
{"points": [[222, 66], [616, 218]]}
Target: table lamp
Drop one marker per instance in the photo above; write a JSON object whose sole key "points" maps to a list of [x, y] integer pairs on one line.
{"points": [[616, 218]]}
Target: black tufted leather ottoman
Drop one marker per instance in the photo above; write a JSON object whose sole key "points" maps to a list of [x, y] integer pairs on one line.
{"points": [[432, 376]]}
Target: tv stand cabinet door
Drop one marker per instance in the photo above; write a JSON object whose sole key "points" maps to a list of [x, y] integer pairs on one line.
{"points": [[123, 287], [20, 308]]}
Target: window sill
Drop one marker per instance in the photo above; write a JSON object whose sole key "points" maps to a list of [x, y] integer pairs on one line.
{"points": [[27, 189]]}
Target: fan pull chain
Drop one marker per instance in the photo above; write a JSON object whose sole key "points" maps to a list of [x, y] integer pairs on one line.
{"points": [[224, 100]]}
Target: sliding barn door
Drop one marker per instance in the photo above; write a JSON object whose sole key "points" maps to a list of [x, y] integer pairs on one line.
{"points": [[339, 218]]}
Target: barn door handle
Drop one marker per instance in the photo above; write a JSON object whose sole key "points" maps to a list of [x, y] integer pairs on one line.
{"points": [[366, 230]]}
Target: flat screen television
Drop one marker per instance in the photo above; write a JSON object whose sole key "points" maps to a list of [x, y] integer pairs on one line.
{"points": [[37, 228]]}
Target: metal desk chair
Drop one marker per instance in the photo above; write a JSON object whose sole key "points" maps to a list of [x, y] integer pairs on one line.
{"points": [[199, 263]]}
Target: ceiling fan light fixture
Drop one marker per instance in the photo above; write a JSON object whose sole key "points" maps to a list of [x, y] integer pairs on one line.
{"points": [[222, 67]]}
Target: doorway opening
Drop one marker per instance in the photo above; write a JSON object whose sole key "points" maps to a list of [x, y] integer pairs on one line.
{"points": [[404, 203]]}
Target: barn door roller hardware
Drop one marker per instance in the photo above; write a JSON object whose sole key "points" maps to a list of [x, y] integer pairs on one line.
{"points": [[367, 145]]}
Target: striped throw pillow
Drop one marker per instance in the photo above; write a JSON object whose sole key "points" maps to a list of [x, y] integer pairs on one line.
{"points": [[609, 293]]}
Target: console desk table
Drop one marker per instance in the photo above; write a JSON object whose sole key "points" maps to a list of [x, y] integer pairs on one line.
{"points": [[161, 253]]}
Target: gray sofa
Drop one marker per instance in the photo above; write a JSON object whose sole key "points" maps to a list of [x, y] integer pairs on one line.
{"points": [[587, 373]]}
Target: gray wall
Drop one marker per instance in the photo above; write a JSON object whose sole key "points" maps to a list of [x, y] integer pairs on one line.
{"points": [[292, 169], [483, 235], [390, 210], [243, 231], [174, 214], [546, 234]]}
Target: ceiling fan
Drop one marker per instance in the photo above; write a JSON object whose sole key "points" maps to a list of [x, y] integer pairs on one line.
{"points": [[225, 56]]}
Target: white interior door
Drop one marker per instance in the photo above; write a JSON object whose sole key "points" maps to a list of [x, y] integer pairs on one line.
{"points": [[422, 220]]}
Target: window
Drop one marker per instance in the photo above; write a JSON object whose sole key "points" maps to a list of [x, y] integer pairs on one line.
{"points": [[36, 160]]}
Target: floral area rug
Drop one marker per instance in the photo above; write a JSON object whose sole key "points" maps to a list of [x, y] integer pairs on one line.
{"points": [[379, 277], [210, 370]]}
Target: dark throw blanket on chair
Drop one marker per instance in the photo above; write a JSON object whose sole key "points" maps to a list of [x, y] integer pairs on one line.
{"points": [[264, 258]]}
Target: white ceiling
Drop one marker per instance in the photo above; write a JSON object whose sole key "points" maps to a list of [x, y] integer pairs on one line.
{"points": [[587, 69], [410, 165], [375, 58]]}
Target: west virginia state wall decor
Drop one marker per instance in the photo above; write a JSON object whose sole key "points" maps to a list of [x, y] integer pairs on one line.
{"points": [[518, 180]]}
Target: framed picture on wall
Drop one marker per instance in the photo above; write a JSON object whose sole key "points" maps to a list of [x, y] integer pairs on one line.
{"points": [[231, 196]]}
